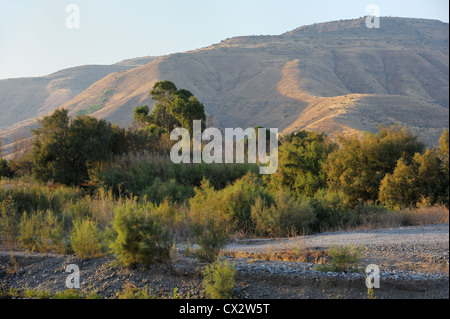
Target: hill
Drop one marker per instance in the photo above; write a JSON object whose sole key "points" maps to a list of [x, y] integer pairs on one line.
{"points": [[339, 77]]}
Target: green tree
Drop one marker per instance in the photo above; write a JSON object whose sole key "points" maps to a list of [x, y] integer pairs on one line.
{"points": [[399, 189], [5, 169], [301, 159], [422, 182], [50, 147], [173, 108], [65, 149], [444, 156], [358, 166]]}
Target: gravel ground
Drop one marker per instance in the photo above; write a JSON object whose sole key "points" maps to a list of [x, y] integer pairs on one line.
{"points": [[413, 263]]}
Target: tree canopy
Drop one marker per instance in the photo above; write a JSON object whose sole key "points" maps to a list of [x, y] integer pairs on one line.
{"points": [[173, 108], [64, 148], [358, 166]]}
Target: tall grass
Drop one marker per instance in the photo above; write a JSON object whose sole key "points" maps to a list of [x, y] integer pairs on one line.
{"points": [[146, 173]]}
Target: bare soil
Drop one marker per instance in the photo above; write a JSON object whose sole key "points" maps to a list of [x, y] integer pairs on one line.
{"points": [[413, 263]]}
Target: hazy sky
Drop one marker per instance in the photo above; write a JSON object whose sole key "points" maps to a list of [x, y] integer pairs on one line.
{"points": [[35, 39]]}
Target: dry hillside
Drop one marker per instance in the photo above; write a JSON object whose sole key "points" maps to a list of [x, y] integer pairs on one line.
{"points": [[337, 77]]}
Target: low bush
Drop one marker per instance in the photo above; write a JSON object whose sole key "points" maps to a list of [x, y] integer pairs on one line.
{"points": [[210, 221], [146, 173], [130, 291], [240, 196], [288, 214], [219, 280], [343, 259], [141, 239], [8, 223], [85, 239], [41, 232]]}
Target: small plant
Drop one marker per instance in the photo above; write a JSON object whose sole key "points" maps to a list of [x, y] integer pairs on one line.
{"points": [[8, 223], [371, 294], [177, 296], [68, 294], [130, 291], [219, 280], [343, 259], [41, 232], [85, 239]]}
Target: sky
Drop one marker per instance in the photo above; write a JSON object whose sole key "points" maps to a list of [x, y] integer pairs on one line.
{"points": [[39, 37]]}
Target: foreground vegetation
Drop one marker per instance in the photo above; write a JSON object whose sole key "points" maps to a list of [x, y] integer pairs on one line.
{"points": [[91, 188]]}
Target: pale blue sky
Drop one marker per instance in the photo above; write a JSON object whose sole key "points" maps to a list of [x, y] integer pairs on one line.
{"points": [[35, 41]]}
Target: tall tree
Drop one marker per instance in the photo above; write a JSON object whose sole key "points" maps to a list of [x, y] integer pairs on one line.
{"points": [[173, 108]]}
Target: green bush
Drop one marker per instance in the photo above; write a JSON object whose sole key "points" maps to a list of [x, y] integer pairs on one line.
{"points": [[239, 198], [85, 239], [8, 223], [41, 232], [131, 292], [144, 174], [141, 237], [5, 169], [285, 216], [34, 197], [218, 280], [210, 221], [343, 259], [330, 211], [160, 190]]}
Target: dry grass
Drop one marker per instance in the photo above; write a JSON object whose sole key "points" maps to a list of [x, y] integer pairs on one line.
{"points": [[292, 249], [407, 217]]}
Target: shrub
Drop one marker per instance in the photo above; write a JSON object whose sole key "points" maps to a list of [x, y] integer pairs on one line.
{"points": [[41, 232], [143, 175], [219, 280], [287, 214], [5, 169], [160, 190], [8, 223], [241, 195], [343, 259], [85, 239], [330, 211], [141, 238], [34, 197], [210, 221], [358, 167], [130, 291]]}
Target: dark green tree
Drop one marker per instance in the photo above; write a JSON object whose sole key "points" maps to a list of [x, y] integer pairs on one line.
{"points": [[65, 149], [5, 169], [173, 108]]}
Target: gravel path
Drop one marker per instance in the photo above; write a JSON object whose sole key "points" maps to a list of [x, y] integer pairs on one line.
{"points": [[413, 263], [429, 235]]}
